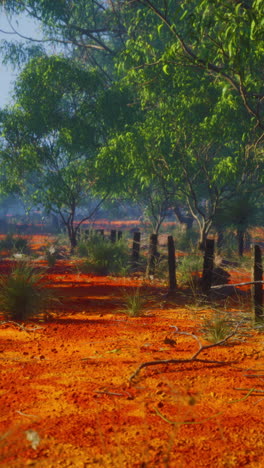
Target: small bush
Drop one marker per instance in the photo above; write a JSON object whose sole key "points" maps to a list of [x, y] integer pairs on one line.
{"points": [[22, 293], [15, 244], [188, 269], [105, 257]]}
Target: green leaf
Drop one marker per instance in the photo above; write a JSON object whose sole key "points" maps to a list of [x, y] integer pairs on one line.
{"points": [[165, 69], [160, 26]]}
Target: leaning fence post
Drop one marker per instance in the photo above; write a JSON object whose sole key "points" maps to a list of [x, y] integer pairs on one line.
{"points": [[208, 265], [257, 274], [171, 264], [153, 254]]}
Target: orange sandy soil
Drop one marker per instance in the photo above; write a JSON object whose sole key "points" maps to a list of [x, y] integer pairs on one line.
{"points": [[67, 384]]}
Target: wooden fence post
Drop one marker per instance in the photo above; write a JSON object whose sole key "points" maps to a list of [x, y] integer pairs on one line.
{"points": [[113, 235], [171, 264], [153, 254], [208, 266], [257, 273]]}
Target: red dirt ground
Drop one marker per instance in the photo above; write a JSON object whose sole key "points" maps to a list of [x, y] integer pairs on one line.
{"points": [[66, 399]]}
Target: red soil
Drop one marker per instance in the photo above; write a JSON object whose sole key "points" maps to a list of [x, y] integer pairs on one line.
{"points": [[67, 384]]}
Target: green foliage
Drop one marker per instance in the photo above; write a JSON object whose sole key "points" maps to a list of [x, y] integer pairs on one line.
{"points": [[14, 244], [186, 240], [134, 303], [105, 257], [23, 293]]}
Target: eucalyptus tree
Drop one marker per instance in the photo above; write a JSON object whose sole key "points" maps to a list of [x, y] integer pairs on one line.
{"points": [[189, 143], [51, 135]]}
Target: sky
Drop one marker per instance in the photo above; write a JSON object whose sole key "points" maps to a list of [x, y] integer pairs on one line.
{"points": [[7, 73]]}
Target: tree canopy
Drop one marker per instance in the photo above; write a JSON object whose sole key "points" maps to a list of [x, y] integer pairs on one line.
{"points": [[159, 101]]}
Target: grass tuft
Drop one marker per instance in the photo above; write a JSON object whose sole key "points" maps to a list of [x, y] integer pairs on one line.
{"points": [[23, 293], [216, 328], [134, 303]]}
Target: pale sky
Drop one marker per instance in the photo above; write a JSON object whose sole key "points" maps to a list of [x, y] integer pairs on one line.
{"points": [[7, 74]]}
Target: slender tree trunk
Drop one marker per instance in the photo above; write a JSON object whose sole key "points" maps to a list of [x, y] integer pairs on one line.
{"points": [[241, 242], [204, 231], [135, 250], [208, 266], [202, 239], [257, 289], [220, 239], [72, 235]]}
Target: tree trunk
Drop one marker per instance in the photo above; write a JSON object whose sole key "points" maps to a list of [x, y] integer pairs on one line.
{"points": [[186, 221], [135, 250], [257, 292], [202, 239], [208, 266], [204, 231], [220, 239], [72, 237], [240, 240]]}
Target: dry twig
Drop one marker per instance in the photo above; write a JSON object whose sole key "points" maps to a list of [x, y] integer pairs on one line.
{"points": [[21, 326], [193, 358]]}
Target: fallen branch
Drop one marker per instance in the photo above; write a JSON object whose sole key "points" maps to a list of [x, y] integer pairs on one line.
{"points": [[22, 327], [193, 358], [218, 286]]}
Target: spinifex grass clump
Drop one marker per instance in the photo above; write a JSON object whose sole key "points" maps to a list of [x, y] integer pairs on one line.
{"points": [[134, 303], [216, 328], [23, 293], [188, 269], [105, 257]]}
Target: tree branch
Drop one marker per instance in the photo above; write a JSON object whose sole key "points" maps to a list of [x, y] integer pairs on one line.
{"points": [[193, 358]]}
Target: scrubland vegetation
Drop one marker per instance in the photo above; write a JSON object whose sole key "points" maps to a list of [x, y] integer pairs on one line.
{"points": [[132, 121]]}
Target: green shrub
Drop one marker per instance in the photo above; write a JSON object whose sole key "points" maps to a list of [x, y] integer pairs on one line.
{"points": [[23, 293], [15, 244], [104, 257]]}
